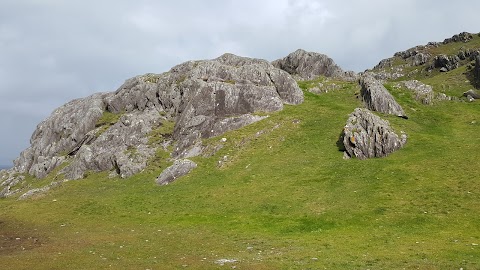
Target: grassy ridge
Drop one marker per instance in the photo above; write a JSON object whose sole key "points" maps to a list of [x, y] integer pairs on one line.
{"points": [[283, 199]]}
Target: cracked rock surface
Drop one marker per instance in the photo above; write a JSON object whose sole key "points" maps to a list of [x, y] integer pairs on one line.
{"points": [[202, 98]]}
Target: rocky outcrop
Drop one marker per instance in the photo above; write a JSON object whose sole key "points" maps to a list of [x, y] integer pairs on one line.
{"points": [[471, 95], [476, 70], [377, 98], [8, 182], [462, 37], [446, 63], [123, 148], [203, 98], [178, 169], [58, 134], [366, 135], [309, 65], [423, 92], [416, 55]]}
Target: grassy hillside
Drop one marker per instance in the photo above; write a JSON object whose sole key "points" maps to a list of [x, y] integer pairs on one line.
{"points": [[452, 83], [282, 197]]}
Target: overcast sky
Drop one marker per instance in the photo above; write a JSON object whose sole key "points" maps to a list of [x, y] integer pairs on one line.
{"points": [[52, 51]]}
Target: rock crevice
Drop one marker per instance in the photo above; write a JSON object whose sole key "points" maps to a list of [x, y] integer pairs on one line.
{"points": [[203, 98]]}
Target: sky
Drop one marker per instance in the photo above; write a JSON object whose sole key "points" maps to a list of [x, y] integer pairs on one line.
{"points": [[53, 51]]}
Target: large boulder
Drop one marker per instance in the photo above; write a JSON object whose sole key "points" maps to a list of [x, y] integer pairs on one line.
{"points": [[446, 63], [310, 65], [366, 135], [203, 98], [377, 98], [471, 95], [178, 169]]}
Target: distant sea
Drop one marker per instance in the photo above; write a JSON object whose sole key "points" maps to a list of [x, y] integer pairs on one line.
{"points": [[5, 167]]}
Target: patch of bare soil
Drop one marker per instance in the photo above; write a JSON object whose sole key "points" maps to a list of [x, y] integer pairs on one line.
{"points": [[18, 237]]}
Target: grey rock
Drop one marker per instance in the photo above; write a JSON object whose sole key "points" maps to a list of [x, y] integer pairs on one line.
{"points": [[420, 59], [366, 135], [178, 169], [33, 192], [442, 97], [377, 98], [462, 37], [60, 132], [39, 191], [310, 65], [385, 63], [472, 93], [423, 92], [124, 147], [5, 191], [222, 94], [476, 70], [204, 98], [446, 63]]}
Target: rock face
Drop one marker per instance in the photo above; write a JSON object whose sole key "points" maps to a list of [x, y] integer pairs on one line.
{"points": [[59, 133], [446, 63], [366, 135], [462, 37], [476, 70], [178, 169], [310, 65], [202, 98], [377, 98]]}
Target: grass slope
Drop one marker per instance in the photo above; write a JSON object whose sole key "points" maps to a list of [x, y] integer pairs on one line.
{"points": [[283, 199]]}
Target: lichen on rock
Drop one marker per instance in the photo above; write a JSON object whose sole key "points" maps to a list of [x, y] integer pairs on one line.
{"points": [[366, 135], [111, 131], [377, 98]]}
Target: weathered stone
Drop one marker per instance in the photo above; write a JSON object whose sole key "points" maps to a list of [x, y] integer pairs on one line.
{"points": [[310, 65], [123, 147], [476, 70], [420, 59], [366, 135], [462, 37], [446, 63], [178, 169], [204, 98], [472, 93], [39, 191], [377, 98], [59, 133], [423, 92], [221, 95]]}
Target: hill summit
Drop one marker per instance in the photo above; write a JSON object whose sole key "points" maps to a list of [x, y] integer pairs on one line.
{"points": [[155, 118], [240, 163]]}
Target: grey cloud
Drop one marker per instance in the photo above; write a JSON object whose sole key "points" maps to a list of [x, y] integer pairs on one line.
{"points": [[52, 51]]}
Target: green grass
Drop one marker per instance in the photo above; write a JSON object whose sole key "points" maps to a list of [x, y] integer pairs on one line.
{"points": [[285, 200], [107, 120], [452, 82], [161, 133], [328, 83]]}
